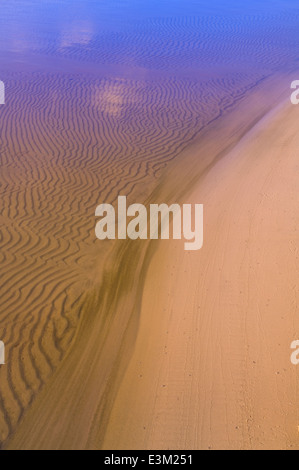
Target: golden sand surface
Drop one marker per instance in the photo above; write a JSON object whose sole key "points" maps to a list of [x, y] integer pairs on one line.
{"points": [[211, 366], [82, 374]]}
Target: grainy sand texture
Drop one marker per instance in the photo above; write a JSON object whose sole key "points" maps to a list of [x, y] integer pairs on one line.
{"points": [[211, 366], [140, 344]]}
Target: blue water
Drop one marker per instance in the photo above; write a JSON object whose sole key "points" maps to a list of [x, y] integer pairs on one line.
{"points": [[174, 36]]}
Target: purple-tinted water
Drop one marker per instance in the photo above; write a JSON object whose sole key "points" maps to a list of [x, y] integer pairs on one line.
{"points": [[173, 36]]}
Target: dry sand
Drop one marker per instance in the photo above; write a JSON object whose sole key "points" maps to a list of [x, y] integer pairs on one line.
{"points": [[192, 350], [211, 366]]}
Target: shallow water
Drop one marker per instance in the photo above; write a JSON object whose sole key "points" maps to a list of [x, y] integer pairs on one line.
{"points": [[152, 35]]}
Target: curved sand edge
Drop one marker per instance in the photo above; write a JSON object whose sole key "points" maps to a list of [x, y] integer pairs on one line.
{"points": [[211, 367]]}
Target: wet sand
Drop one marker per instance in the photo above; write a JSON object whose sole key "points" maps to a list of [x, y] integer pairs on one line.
{"points": [[80, 143], [192, 350]]}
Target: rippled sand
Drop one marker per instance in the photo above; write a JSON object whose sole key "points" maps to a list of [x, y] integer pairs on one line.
{"points": [[94, 110]]}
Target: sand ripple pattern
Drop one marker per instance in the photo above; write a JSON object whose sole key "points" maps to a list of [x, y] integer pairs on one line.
{"points": [[68, 144], [266, 42]]}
